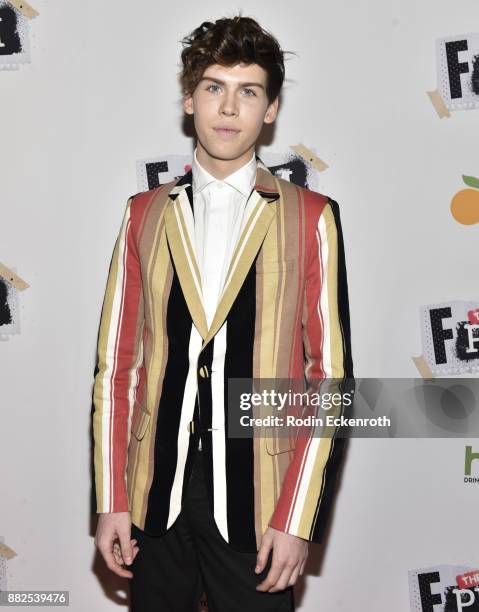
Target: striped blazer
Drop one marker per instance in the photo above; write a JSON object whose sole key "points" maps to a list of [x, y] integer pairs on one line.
{"points": [[161, 375]]}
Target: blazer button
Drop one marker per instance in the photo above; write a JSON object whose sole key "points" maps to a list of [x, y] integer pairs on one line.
{"points": [[204, 372]]}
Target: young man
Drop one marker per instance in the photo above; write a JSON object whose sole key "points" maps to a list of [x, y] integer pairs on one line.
{"points": [[227, 272]]}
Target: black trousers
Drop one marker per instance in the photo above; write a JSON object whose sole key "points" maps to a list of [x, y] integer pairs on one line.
{"points": [[170, 572]]}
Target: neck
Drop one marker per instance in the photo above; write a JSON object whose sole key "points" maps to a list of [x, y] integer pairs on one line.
{"points": [[220, 168]]}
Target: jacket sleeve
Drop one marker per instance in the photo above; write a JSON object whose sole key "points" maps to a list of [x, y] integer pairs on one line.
{"points": [[307, 489], [119, 358]]}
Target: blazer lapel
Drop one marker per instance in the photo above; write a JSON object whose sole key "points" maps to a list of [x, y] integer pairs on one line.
{"points": [[262, 207], [179, 226], [260, 210]]}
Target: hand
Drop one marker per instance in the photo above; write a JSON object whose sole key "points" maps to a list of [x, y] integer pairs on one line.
{"points": [[289, 557], [112, 526]]}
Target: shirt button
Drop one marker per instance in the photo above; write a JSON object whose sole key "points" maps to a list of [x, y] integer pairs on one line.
{"points": [[203, 371]]}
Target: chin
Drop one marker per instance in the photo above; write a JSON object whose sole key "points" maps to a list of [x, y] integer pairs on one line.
{"points": [[223, 150]]}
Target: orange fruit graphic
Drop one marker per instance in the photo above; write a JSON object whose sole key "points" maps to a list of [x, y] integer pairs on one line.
{"points": [[465, 203]]}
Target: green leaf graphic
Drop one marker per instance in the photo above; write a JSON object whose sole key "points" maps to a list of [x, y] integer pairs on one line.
{"points": [[471, 181]]}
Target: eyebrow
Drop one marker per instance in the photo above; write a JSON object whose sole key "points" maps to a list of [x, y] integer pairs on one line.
{"points": [[208, 78]]}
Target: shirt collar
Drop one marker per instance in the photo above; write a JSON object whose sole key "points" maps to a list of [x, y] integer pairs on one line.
{"points": [[242, 179]]}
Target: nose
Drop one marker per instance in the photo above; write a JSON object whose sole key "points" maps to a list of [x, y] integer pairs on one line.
{"points": [[228, 106]]}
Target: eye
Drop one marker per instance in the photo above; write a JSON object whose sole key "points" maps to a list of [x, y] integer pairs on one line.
{"points": [[250, 92]]}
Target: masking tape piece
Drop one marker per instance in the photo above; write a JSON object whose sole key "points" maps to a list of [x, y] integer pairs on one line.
{"points": [[421, 365], [6, 551], [310, 157], [24, 8], [438, 103], [13, 278]]}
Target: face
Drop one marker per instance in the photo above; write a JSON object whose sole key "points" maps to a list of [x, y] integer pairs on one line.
{"points": [[230, 97]]}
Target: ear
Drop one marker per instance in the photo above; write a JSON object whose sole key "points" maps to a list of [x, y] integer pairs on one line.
{"points": [[188, 105], [272, 111]]}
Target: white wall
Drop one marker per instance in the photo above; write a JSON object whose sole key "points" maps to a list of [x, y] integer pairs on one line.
{"points": [[101, 92]]}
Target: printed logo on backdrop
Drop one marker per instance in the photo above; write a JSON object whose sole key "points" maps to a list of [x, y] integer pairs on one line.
{"points": [[450, 339], [471, 465], [10, 286], [457, 68], [465, 202], [445, 588], [301, 169], [14, 43]]}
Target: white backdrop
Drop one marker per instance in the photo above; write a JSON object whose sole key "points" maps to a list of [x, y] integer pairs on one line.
{"points": [[100, 92]]}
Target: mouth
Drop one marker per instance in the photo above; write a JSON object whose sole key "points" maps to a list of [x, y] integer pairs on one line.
{"points": [[224, 131]]}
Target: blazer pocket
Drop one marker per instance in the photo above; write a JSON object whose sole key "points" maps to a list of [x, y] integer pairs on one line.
{"points": [[266, 267], [140, 424]]}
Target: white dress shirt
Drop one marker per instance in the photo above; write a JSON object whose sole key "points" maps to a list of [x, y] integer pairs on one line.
{"points": [[218, 207]]}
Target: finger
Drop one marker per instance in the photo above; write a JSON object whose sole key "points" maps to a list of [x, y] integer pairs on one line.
{"points": [[273, 575], [301, 570], [294, 575], [135, 551], [262, 556], [117, 555], [126, 548], [283, 580], [111, 563]]}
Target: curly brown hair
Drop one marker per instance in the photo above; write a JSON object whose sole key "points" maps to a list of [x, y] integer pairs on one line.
{"points": [[227, 42]]}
